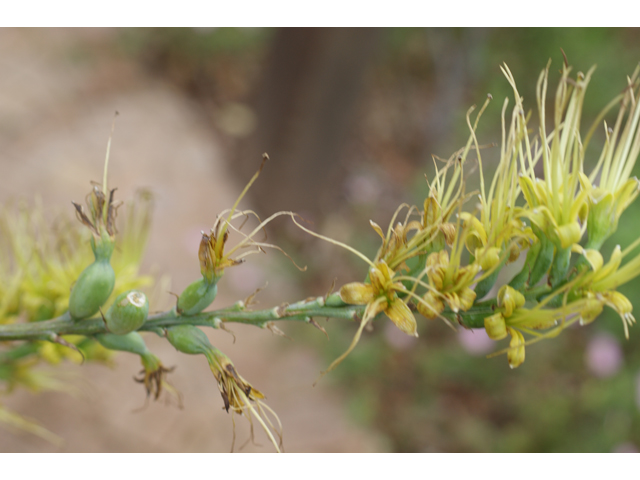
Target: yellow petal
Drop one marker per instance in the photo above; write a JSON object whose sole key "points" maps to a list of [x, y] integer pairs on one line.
{"points": [[453, 300], [626, 194], [431, 211], [476, 236], [509, 299], [611, 266], [515, 354], [380, 276], [488, 257], [467, 297], [529, 192], [592, 309], [495, 326], [594, 257], [357, 293], [569, 234], [377, 228], [374, 308], [585, 183], [401, 315], [449, 232], [431, 306]]}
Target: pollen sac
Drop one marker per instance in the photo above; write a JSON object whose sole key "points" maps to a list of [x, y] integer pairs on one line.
{"points": [[495, 326], [92, 289], [128, 313]]}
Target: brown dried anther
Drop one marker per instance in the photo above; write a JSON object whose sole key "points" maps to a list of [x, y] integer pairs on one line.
{"points": [[155, 380]]}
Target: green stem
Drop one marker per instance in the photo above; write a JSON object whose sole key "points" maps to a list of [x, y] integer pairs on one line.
{"points": [[332, 307], [560, 266]]}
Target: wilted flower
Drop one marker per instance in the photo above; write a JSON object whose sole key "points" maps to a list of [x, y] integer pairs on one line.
{"points": [[238, 395], [153, 375], [381, 295]]}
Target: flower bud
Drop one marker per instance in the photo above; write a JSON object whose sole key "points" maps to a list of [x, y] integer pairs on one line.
{"points": [[128, 312], [92, 289], [196, 297]]}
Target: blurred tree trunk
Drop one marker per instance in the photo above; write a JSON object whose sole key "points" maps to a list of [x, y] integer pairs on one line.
{"points": [[306, 105]]}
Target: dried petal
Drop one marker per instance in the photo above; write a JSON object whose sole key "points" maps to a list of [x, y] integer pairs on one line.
{"points": [[401, 315]]}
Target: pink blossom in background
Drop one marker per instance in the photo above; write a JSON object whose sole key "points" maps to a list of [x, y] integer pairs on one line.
{"points": [[604, 355], [626, 447], [475, 341]]}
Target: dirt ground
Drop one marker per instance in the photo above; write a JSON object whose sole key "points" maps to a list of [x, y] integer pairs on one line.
{"points": [[56, 107]]}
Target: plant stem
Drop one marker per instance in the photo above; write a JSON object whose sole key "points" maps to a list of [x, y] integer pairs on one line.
{"points": [[332, 307], [303, 311]]}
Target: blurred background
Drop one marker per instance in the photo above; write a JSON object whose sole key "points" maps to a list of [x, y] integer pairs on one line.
{"points": [[350, 119]]}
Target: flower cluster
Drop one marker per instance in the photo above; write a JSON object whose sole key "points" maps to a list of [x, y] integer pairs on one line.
{"points": [[444, 261]]}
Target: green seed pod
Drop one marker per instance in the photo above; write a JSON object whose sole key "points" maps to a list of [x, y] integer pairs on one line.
{"points": [[189, 339], [128, 312], [196, 297], [92, 289], [131, 342]]}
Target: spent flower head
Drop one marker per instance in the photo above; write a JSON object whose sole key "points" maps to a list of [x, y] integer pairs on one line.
{"points": [[238, 395]]}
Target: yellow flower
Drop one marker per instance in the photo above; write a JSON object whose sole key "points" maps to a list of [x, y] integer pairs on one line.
{"points": [[237, 394], [381, 296], [450, 282], [600, 283], [554, 206], [615, 190]]}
